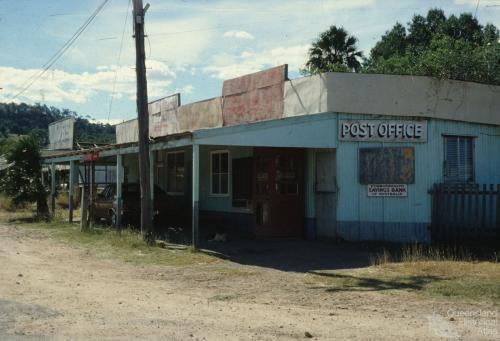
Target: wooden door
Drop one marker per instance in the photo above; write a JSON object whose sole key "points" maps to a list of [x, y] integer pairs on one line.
{"points": [[279, 192], [326, 194]]}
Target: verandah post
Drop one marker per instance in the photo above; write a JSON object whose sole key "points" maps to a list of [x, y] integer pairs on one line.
{"points": [[196, 194], [71, 190], [53, 188], [119, 181]]}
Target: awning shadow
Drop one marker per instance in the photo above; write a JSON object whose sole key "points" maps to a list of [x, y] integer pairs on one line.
{"points": [[294, 255]]}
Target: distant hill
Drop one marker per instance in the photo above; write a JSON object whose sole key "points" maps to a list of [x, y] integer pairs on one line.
{"points": [[24, 119]]}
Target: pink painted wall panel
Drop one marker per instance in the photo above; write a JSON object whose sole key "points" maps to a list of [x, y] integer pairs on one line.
{"points": [[200, 115], [254, 97], [163, 116]]}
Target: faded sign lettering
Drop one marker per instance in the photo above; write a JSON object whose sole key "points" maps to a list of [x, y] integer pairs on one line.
{"points": [[254, 97]]}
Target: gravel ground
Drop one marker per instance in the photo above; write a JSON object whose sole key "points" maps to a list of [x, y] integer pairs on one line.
{"points": [[52, 291]]}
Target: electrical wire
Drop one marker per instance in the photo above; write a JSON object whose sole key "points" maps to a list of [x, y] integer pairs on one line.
{"points": [[118, 63], [67, 45]]}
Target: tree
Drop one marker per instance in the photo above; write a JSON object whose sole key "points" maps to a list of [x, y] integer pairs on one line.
{"points": [[22, 119], [392, 42], [334, 50], [433, 45], [22, 181]]}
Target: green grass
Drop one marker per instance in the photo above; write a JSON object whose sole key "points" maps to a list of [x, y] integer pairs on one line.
{"points": [[109, 243], [460, 280]]}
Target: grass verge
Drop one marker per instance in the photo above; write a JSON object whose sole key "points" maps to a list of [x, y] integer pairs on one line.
{"points": [[109, 243], [445, 275]]}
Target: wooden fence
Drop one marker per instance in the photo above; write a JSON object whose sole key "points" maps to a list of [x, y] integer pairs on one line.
{"points": [[465, 212]]}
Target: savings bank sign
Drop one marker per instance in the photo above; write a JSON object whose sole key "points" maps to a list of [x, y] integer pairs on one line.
{"points": [[382, 131]]}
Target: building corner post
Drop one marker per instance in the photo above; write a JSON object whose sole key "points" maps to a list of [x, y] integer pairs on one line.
{"points": [[119, 182], [310, 197], [71, 190], [196, 194], [53, 188]]}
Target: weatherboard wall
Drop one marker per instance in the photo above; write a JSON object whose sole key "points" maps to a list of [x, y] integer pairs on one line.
{"points": [[359, 217], [407, 219]]}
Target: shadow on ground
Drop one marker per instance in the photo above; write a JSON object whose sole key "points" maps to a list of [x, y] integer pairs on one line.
{"points": [[295, 255], [335, 282], [23, 220]]}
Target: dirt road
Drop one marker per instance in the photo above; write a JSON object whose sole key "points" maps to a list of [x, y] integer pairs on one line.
{"points": [[49, 290]]}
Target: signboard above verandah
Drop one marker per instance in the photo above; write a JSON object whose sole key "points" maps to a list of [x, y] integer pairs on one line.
{"points": [[382, 131], [62, 134]]}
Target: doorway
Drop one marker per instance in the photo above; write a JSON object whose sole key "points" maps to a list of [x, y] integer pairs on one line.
{"points": [[326, 193], [279, 192]]}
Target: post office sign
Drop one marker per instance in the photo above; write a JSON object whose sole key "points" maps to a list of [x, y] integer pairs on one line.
{"points": [[382, 131], [389, 190]]}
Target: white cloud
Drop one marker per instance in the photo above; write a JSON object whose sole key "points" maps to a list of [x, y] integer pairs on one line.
{"points": [[227, 66], [239, 35], [474, 3], [59, 86], [111, 121]]}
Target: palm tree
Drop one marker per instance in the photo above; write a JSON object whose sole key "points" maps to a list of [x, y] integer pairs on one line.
{"points": [[334, 50]]}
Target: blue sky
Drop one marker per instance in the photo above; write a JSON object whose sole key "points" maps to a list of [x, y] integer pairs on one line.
{"points": [[192, 45]]}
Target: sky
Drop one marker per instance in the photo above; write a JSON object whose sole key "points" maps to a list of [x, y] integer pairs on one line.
{"points": [[191, 46]]}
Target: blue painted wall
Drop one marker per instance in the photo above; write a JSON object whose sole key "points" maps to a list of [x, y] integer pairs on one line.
{"points": [[406, 219], [359, 217]]}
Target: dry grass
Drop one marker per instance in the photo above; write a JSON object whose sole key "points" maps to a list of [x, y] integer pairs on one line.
{"points": [[62, 200], [419, 252], [8, 206], [422, 270], [107, 243]]}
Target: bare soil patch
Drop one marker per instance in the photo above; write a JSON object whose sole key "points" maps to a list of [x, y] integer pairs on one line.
{"points": [[51, 289]]}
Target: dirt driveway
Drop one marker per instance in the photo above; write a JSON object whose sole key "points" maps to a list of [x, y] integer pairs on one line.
{"points": [[49, 290]]}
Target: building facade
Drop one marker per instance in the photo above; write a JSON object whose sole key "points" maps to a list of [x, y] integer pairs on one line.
{"points": [[335, 155]]}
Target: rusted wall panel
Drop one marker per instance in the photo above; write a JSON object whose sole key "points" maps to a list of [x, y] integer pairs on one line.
{"points": [[254, 97], [127, 132], [200, 115], [163, 116]]}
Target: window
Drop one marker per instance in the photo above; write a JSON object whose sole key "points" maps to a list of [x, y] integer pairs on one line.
{"points": [[175, 172], [219, 161], [458, 159]]}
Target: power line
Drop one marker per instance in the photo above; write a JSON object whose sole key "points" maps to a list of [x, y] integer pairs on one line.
{"points": [[67, 45], [118, 63]]}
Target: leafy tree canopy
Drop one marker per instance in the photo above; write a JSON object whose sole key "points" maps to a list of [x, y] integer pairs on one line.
{"points": [[435, 45], [453, 47], [25, 119]]}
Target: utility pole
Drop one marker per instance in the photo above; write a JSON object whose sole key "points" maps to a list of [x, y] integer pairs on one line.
{"points": [[143, 120]]}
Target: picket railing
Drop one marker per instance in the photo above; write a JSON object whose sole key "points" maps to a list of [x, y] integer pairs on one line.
{"points": [[465, 212]]}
